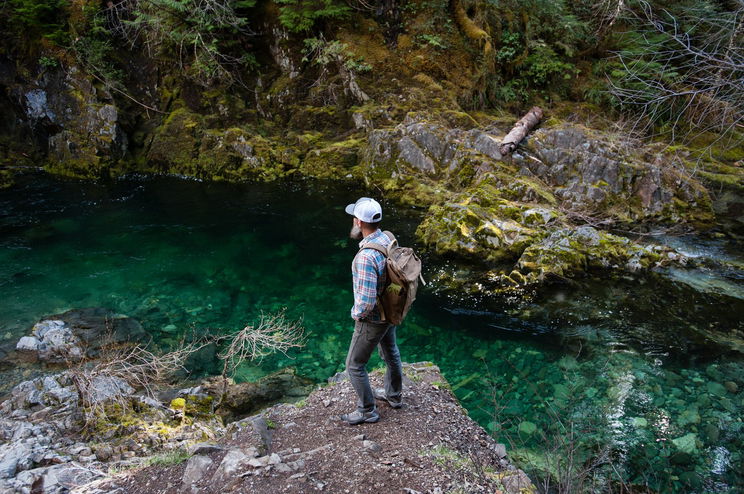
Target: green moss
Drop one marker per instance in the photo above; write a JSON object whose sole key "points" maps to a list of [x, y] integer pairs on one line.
{"points": [[470, 230], [176, 142], [199, 406], [323, 118], [6, 178], [178, 404], [335, 160], [567, 253]]}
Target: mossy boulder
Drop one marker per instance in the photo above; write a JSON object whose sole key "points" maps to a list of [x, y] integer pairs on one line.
{"points": [[611, 175], [568, 252], [470, 230], [175, 144], [334, 160]]}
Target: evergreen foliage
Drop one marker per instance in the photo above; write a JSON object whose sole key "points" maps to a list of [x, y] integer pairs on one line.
{"points": [[300, 16], [39, 18], [204, 36]]}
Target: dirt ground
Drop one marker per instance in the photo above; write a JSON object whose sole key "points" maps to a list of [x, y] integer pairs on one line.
{"points": [[428, 446]]}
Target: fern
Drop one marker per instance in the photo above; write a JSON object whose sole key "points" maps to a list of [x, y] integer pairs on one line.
{"points": [[300, 16]]}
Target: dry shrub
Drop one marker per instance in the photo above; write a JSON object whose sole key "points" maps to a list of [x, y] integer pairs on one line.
{"points": [[273, 333], [134, 366]]}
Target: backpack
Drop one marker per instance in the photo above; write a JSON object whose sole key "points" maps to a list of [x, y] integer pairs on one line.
{"points": [[403, 268]]}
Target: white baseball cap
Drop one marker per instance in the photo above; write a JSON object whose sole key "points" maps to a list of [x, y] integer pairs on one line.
{"points": [[366, 209]]}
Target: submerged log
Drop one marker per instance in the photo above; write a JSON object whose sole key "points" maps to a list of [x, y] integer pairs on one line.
{"points": [[520, 130]]}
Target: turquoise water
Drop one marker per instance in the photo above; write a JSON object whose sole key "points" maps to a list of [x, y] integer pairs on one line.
{"points": [[639, 377]]}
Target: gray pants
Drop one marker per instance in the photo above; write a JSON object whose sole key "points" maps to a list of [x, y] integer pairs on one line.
{"points": [[367, 336]]}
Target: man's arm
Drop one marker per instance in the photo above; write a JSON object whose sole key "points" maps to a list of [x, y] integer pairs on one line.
{"points": [[364, 276]]}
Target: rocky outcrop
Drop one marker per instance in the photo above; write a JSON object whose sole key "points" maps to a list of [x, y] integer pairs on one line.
{"points": [[567, 165], [38, 425], [79, 120], [591, 170], [52, 443], [430, 445], [422, 145], [523, 218]]}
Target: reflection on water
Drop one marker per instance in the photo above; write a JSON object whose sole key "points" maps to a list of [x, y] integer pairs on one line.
{"points": [[643, 373]]}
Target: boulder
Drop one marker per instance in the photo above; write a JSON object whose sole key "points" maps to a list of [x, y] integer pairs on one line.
{"points": [[196, 468], [72, 335], [104, 388], [234, 461], [28, 344]]}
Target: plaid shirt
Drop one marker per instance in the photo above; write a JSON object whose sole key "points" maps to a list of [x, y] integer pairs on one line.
{"points": [[368, 278]]}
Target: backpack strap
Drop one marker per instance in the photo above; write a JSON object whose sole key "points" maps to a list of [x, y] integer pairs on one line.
{"points": [[375, 246], [393, 240]]}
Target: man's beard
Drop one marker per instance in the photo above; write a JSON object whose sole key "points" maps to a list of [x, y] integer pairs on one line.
{"points": [[356, 233]]}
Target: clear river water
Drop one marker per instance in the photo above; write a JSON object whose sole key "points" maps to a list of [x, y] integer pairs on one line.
{"points": [[639, 376]]}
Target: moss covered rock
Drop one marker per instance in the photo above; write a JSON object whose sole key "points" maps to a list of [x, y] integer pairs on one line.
{"points": [[613, 176], [568, 252], [80, 120], [334, 160], [176, 142], [482, 225]]}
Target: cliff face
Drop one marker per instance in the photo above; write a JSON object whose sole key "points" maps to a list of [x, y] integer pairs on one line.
{"points": [[382, 102]]}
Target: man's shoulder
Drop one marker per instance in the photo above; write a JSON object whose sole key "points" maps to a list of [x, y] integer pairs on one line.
{"points": [[381, 237]]}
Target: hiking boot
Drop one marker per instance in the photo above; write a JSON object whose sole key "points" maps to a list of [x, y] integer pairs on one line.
{"points": [[379, 394], [358, 417]]}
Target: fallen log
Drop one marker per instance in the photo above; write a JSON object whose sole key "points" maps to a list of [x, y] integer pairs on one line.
{"points": [[520, 130]]}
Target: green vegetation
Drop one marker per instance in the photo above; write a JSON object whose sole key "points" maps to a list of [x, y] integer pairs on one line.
{"points": [[168, 458], [202, 36], [301, 16], [39, 18], [323, 53]]}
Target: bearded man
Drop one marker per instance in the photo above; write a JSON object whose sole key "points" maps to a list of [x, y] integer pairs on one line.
{"points": [[370, 330]]}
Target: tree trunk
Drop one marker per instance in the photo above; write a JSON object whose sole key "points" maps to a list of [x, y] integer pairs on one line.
{"points": [[520, 130]]}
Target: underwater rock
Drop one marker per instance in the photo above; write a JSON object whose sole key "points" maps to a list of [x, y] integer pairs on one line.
{"points": [[687, 443], [69, 336], [716, 389], [527, 427]]}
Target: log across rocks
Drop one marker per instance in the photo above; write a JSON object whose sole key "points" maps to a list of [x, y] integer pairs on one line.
{"points": [[520, 130]]}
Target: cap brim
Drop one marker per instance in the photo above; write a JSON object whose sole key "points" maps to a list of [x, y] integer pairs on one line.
{"points": [[350, 209]]}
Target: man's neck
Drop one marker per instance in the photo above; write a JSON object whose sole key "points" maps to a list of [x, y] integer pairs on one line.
{"points": [[369, 232]]}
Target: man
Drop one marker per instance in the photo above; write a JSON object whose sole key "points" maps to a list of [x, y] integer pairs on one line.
{"points": [[368, 273]]}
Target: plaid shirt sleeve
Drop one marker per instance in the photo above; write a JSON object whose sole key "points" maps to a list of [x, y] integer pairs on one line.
{"points": [[364, 278]]}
